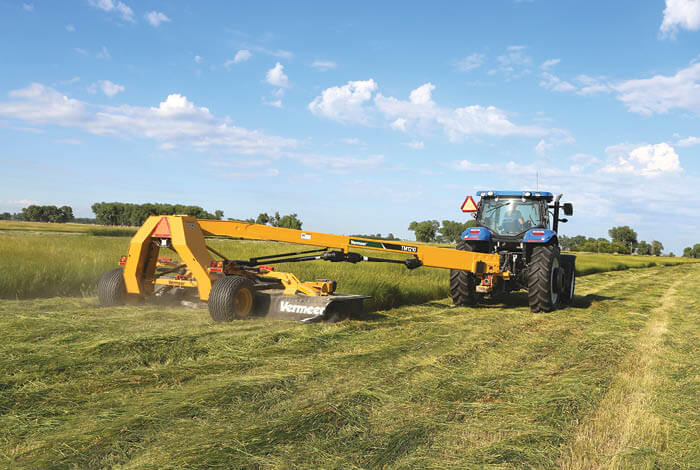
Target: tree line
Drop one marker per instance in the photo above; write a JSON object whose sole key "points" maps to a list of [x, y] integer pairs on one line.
{"points": [[120, 213], [431, 230], [276, 220], [34, 213]]}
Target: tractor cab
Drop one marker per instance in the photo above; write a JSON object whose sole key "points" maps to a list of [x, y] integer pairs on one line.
{"points": [[512, 214]]}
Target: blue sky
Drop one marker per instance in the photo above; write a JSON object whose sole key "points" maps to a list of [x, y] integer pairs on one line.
{"points": [[359, 117]]}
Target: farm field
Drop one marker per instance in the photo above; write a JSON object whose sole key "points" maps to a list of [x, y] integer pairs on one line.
{"points": [[610, 382]]}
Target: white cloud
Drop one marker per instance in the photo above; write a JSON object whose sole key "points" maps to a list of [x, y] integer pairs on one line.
{"points": [[548, 64], [117, 7], [661, 93], [645, 160], [688, 141], [197, 59], [104, 54], [470, 62], [70, 28], [345, 103], [28, 7], [466, 165], [514, 63], [457, 123], [279, 53], [69, 141], [416, 145], [274, 104], [339, 165], [324, 65], [592, 85], [680, 14], [174, 120], [108, 88], [276, 76], [552, 82], [399, 124], [241, 56], [155, 18], [351, 141]]}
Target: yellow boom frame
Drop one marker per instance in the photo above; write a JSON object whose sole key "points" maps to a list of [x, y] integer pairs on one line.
{"points": [[187, 238]]}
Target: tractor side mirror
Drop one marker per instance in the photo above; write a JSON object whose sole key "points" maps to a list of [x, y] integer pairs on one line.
{"points": [[568, 208], [563, 221]]}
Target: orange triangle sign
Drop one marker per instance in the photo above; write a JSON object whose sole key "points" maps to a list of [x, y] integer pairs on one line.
{"points": [[469, 205], [162, 230]]}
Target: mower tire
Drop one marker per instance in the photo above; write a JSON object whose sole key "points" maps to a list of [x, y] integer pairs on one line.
{"points": [[231, 297], [111, 290], [568, 262]]}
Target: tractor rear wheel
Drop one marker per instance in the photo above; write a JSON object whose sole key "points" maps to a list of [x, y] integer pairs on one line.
{"points": [[544, 278], [568, 262], [463, 283], [111, 289], [231, 297]]}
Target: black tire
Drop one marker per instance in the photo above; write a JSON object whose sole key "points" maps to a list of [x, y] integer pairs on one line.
{"points": [[569, 264], [111, 289], [544, 278], [463, 283], [231, 297]]}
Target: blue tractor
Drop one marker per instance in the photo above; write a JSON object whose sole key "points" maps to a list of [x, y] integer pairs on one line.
{"points": [[521, 227]]}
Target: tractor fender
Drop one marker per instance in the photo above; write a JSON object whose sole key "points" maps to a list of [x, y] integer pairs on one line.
{"points": [[539, 235], [480, 234]]}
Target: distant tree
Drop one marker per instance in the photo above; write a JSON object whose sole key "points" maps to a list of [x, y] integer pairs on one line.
{"points": [[262, 219], [66, 214], [451, 231], [619, 247], [219, 214], [696, 250], [643, 248], [624, 234], [671, 255], [289, 221], [687, 252], [426, 231], [656, 248], [5, 216]]}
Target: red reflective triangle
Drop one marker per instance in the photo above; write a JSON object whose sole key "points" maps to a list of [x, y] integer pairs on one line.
{"points": [[162, 230], [469, 205]]}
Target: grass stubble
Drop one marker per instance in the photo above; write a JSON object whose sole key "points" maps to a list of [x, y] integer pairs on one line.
{"points": [[611, 382]]}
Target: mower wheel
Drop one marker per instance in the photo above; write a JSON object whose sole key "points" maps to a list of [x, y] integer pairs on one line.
{"points": [[545, 277], [463, 283], [111, 289], [231, 297]]}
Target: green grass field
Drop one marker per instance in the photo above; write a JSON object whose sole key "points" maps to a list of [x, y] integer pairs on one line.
{"points": [[611, 382]]}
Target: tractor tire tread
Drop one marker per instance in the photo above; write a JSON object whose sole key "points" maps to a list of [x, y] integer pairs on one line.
{"points": [[539, 278], [463, 283]]}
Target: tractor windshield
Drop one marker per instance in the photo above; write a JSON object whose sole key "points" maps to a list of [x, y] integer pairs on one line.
{"points": [[509, 216]]}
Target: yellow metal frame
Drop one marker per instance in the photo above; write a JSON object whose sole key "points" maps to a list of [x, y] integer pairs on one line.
{"points": [[187, 239]]}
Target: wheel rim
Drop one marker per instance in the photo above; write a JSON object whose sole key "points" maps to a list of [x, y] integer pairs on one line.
{"points": [[243, 302], [553, 293]]}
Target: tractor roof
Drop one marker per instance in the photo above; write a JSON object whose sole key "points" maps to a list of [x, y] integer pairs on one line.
{"points": [[528, 194]]}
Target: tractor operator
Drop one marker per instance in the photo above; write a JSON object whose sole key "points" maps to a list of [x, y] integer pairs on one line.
{"points": [[512, 216]]}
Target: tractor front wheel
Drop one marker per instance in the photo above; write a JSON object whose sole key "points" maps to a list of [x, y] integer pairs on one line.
{"points": [[111, 289], [545, 278], [463, 283], [231, 297]]}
